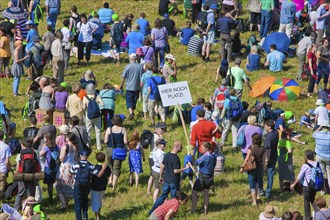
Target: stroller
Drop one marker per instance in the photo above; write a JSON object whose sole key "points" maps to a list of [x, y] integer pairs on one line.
{"points": [[31, 105]]}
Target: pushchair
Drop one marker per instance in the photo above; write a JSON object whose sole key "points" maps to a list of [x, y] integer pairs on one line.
{"points": [[31, 105]]}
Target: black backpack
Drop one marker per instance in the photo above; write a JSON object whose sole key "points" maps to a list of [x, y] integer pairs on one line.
{"points": [[202, 19], [230, 79], [241, 26], [83, 176], [117, 33], [146, 138], [54, 159]]}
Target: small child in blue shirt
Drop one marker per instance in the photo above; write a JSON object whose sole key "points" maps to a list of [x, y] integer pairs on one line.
{"points": [[306, 120]]}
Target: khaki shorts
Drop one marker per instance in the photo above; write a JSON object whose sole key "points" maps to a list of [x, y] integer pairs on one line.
{"points": [[115, 165], [156, 177]]}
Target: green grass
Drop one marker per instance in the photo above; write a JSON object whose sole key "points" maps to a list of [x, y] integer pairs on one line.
{"points": [[230, 198]]}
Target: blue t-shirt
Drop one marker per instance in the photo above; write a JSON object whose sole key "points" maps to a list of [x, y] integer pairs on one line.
{"points": [[186, 34], [143, 23], [29, 39], [276, 59], [210, 19], [194, 112], [105, 15], [254, 62], [153, 87], [144, 80], [280, 121], [134, 40], [304, 119]]}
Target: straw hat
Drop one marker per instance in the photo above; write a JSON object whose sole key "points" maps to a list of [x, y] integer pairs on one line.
{"points": [[64, 129], [270, 211]]}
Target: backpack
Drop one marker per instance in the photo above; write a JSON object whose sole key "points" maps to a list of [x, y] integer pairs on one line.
{"points": [[11, 190], [38, 12], [83, 175], [15, 146], [75, 30], [241, 136], [241, 26], [54, 159], [146, 138], [202, 19], [93, 109], [230, 79], [28, 162], [235, 110], [316, 181], [117, 33], [44, 58], [220, 98]]}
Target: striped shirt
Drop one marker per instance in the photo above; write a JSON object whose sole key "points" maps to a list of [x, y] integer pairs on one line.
{"points": [[305, 173], [75, 167], [322, 141], [20, 26], [195, 45], [162, 210]]}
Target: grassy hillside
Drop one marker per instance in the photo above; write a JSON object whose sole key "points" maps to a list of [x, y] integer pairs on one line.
{"points": [[230, 197]]}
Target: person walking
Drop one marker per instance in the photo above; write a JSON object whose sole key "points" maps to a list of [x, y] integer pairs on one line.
{"points": [[5, 166], [287, 17], [267, 6], [240, 76], [53, 8], [159, 36]]}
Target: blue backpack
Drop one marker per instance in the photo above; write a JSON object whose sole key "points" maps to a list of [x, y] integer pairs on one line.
{"points": [[241, 136], [83, 176], [316, 181], [186, 159], [235, 110], [93, 109], [54, 162]]}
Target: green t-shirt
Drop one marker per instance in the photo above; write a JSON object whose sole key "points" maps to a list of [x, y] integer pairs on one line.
{"points": [[267, 4], [239, 76], [283, 143]]}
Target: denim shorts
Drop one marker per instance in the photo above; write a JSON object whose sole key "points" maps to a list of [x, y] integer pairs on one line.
{"points": [[131, 98]]}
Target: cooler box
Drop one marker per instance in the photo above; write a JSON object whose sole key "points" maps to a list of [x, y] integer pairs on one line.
{"points": [[58, 119], [40, 113]]}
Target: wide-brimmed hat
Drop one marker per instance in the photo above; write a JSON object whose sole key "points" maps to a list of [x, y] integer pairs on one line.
{"points": [[319, 102], [89, 75], [270, 211], [170, 56], [64, 129]]}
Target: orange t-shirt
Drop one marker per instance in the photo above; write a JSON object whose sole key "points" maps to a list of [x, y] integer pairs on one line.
{"points": [[81, 94], [5, 51]]}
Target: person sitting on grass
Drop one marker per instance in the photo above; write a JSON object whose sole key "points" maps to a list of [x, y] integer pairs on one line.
{"points": [[269, 213], [169, 208], [253, 59], [185, 34], [280, 125], [275, 59], [305, 120]]}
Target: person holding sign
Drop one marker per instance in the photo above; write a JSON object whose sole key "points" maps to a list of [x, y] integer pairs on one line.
{"points": [[154, 98]]}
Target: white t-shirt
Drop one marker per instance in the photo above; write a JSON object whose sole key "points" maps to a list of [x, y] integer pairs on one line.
{"points": [[158, 157], [153, 146], [66, 34], [4, 154], [323, 115], [85, 34]]}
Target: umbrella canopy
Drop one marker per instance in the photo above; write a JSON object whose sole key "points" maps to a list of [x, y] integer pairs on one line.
{"points": [[261, 86], [313, 2], [280, 39], [284, 90], [299, 4], [14, 13]]}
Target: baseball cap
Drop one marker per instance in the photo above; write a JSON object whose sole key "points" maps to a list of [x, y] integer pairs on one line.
{"points": [[214, 6], [115, 17], [83, 153], [162, 141]]}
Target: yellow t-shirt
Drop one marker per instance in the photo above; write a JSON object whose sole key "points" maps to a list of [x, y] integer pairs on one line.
{"points": [[5, 51]]}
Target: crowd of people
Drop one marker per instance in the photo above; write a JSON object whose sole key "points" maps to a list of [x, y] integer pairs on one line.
{"points": [[263, 134]]}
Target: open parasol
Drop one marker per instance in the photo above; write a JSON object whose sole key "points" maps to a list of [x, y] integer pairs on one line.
{"points": [[284, 90]]}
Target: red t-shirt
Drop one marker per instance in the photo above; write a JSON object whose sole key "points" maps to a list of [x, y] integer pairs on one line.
{"points": [[313, 57], [162, 210]]}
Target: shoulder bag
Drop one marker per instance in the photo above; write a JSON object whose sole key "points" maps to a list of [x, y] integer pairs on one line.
{"points": [[167, 45], [250, 163]]}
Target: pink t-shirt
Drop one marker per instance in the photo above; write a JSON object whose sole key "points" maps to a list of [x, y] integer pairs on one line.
{"points": [[61, 140]]}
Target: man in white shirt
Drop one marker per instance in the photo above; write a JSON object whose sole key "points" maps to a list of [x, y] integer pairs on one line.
{"points": [[58, 58], [321, 114], [5, 154]]}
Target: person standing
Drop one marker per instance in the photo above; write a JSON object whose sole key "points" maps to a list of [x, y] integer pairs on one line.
{"points": [[322, 149], [255, 13], [287, 17], [132, 74], [53, 8], [144, 24], [17, 69], [5, 52], [209, 33], [323, 56], [267, 6], [159, 36], [304, 46], [5, 166], [67, 39], [270, 143], [321, 14], [58, 58], [196, 8], [321, 114], [172, 166]]}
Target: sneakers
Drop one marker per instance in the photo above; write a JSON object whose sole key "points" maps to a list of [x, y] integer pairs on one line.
{"points": [[207, 59]]}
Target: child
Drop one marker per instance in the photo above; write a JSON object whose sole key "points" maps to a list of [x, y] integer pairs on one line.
{"points": [[32, 130], [306, 120], [143, 84], [208, 110], [61, 96], [38, 213], [27, 207], [253, 59], [168, 209], [134, 161], [17, 69], [304, 176], [99, 185], [61, 139], [285, 163], [187, 173], [222, 70]]}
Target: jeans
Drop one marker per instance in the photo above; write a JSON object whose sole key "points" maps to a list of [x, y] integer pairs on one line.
{"points": [[266, 19], [161, 52], [233, 125], [301, 58], [167, 188], [52, 17], [325, 166], [270, 175], [97, 122], [254, 176], [80, 202], [16, 82]]}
